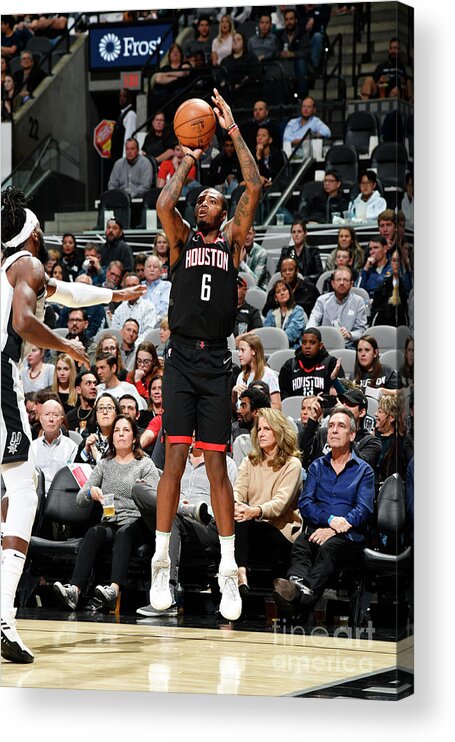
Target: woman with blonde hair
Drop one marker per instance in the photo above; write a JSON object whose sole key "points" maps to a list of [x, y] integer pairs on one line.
{"points": [[266, 491], [64, 382], [254, 368], [222, 44], [397, 446], [161, 248]]}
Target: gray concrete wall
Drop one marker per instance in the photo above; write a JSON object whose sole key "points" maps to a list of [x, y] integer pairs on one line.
{"points": [[61, 108]]}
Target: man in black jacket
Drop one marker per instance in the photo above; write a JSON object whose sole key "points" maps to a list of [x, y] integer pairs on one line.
{"points": [[225, 167], [28, 77], [295, 46], [269, 158], [115, 247]]}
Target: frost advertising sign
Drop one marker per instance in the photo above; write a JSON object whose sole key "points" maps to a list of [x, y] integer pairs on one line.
{"points": [[121, 47]]}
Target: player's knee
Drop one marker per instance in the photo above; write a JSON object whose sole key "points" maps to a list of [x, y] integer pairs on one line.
{"points": [[22, 503]]}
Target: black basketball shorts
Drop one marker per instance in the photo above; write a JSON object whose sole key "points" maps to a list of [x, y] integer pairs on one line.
{"points": [[15, 433], [197, 393]]}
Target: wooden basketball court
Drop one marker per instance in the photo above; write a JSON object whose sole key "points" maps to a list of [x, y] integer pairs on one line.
{"points": [[146, 656]]}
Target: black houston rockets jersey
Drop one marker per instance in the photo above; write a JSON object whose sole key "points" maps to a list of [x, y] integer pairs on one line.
{"points": [[203, 297]]}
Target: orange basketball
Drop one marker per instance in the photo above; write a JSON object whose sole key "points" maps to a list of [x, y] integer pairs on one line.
{"points": [[194, 123]]}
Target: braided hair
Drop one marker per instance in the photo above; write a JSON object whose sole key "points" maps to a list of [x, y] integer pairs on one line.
{"points": [[13, 217]]}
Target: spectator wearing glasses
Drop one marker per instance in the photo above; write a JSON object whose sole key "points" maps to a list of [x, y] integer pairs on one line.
{"points": [[146, 367], [95, 440], [114, 274], [77, 324], [109, 343], [369, 203], [321, 207], [95, 314]]}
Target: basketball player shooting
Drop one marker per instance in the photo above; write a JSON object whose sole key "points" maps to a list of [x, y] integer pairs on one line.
{"points": [[196, 383], [24, 288]]}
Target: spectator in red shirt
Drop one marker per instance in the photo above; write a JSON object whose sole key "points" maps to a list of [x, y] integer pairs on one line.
{"points": [[168, 168]]}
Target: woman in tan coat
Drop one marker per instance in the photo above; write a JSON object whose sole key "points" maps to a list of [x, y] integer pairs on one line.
{"points": [[266, 492]]}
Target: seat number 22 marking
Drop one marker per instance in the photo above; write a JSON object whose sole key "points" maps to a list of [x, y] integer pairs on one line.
{"points": [[206, 288]]}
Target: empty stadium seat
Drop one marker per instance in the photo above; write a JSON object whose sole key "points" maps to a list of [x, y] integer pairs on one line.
{"points": [[277, 359], [331, 337], [272, 338], [385, 335], [360, 126], [256, 297], [290, 407]]}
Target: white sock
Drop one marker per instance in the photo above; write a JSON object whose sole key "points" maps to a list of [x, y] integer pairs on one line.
{"points": [[12, 567], [162, 545], [227, 563]]}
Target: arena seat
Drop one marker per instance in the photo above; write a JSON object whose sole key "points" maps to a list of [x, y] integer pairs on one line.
{"points": [[386, 336], [117, 201], [256, 297], [290, 407], [279, 357], [359, 128], [387, 559], [344, 159], [272, 338], [54, 558], [331, 337], [347, 357]]}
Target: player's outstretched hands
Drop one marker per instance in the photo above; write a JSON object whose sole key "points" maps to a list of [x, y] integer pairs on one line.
{"points": [[222, 110], [132, 292], [197, 153], [78, 353]]}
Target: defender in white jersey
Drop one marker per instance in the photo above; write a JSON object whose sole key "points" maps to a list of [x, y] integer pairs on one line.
{"points": [[24, 288]]}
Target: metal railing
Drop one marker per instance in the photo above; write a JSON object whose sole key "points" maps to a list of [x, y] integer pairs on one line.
{"points": [[291, 182], [48, 155]]}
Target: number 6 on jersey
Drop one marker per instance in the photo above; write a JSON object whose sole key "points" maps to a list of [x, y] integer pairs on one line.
{"points": [[206, 288]]}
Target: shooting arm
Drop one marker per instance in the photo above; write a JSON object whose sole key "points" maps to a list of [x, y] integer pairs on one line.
{"points": [[173, 224]]}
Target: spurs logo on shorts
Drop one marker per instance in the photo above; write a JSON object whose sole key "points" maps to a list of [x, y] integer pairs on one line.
{"points": [[15, 442]]}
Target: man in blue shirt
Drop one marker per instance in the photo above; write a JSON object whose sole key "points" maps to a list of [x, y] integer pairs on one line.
{"points": [[336, 504], [158, 291], [297, 128], [377, 266]]}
